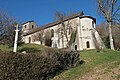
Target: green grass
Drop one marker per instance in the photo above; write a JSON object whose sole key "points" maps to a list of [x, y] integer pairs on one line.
{"points": [[29, 48], [5, 48], [118, 76], [92, 59]]}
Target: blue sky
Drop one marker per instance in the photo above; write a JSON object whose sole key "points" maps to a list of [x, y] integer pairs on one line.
{"points": [[42, 11]]}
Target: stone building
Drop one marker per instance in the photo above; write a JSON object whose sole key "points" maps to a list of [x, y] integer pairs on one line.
{"points": [[78, 33]]}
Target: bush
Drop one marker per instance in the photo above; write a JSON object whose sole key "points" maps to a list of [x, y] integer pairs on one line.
{"points": [[18, 66]]}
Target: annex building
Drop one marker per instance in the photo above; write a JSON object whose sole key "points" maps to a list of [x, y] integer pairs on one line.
{"points": [[78, 32]]}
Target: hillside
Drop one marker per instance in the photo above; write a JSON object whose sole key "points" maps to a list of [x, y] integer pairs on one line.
{"points": [[98, 66], [36, 63], [29, 48]]}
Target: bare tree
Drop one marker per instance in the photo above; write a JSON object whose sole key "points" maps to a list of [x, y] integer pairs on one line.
{"points": [[6, 29], [48, 37], [102, 30], [39, 36], [109, 11], [43, 36], [66, 29], [116, 35]]}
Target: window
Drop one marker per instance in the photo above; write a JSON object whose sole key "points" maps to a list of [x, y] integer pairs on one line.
{"points": [[84, 29], [88, 44], [29, 39], [82, 26], [93, 24], [75, 47], [25, 26], [32, 26]]}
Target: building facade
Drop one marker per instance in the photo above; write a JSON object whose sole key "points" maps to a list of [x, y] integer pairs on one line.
{"points": [[76, 32]]}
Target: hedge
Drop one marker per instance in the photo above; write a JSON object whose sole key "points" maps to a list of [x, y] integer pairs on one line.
{"points": [[19, 66]]}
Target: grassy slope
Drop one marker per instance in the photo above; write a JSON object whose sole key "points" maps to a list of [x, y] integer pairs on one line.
{"points": [[92, 60], [5, 48], [33, 48]]}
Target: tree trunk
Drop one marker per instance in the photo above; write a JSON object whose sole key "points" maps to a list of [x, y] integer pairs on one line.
{"points": [[110, 36]]}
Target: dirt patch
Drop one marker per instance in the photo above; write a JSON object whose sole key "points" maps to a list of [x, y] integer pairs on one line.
{"points": [[103, 73]]}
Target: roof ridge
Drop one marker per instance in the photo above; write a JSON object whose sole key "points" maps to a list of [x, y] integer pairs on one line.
{"points": [[54, 23]]}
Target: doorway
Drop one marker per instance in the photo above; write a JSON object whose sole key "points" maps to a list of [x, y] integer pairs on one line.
{"points": [[88, 44], [75, 47]]}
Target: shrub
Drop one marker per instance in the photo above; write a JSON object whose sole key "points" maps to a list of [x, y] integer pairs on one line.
{"points": [[18, 66]]}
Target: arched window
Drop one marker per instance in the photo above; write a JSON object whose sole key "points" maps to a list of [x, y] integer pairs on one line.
{"points": [[32, 26], [75, 47], [88, 44], [25, 26]]}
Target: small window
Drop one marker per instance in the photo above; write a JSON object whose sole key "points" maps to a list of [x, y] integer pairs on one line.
{"points": [[32, 26], [82, 26], [93, 24], [88, 44], [25, 26], [29, 39], [84, 29], [75, 47]]}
